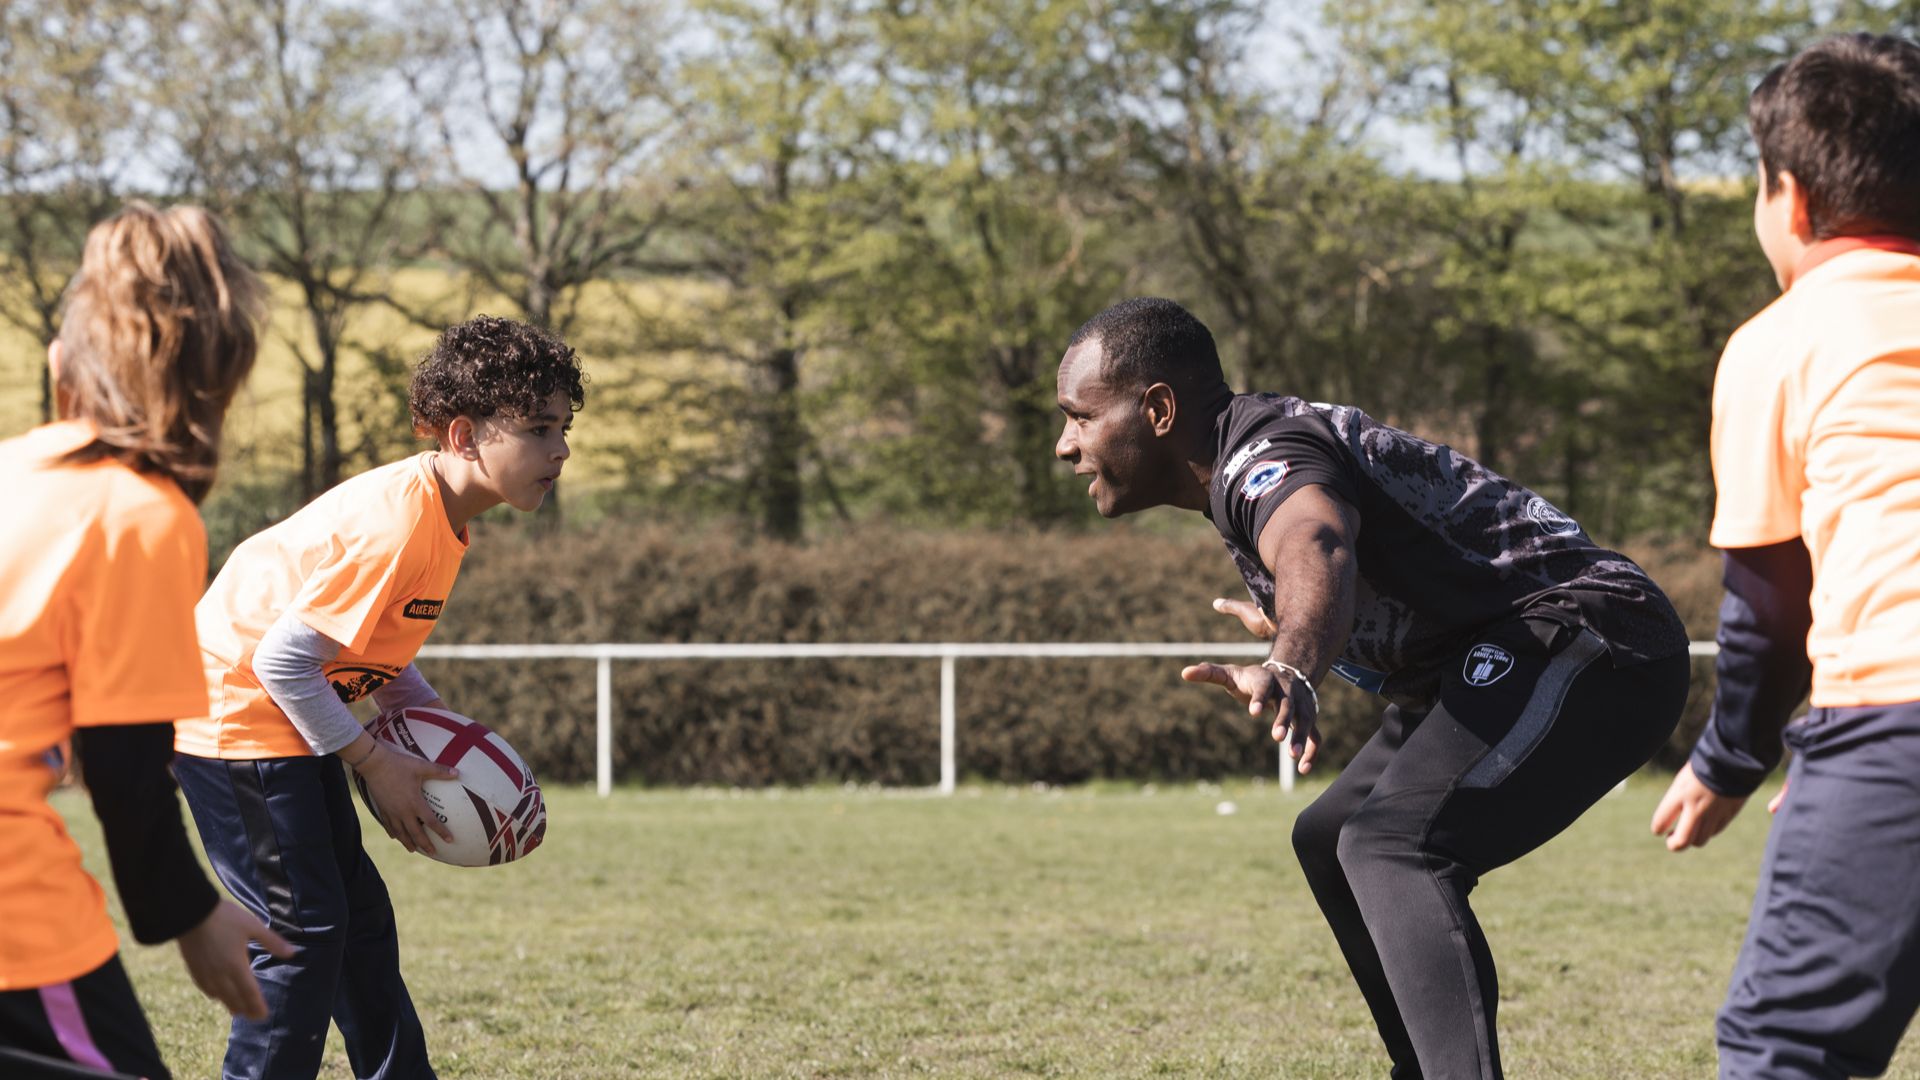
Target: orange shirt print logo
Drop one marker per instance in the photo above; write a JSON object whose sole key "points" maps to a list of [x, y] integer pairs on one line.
{"points": [[355, 682], [423, 609]]}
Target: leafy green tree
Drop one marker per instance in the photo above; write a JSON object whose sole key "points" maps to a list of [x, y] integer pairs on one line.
{"points": [[69, 141], [1592, 237], [544, 121], [1002, 244], [284, 115], [782, 109]]}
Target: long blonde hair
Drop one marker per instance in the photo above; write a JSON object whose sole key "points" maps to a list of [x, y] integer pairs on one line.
{"points": [[159, 329]]}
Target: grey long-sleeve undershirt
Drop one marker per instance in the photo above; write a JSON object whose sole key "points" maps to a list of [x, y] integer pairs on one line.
{"points": [[289, 663]]}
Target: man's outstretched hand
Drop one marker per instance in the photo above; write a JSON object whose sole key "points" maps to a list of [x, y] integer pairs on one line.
{"points": [[1267, 692]]}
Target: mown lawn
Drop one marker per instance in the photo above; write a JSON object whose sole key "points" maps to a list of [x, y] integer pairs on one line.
{"points": [[1120, 931]]}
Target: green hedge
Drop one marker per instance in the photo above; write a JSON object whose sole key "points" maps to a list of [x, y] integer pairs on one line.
{"points": [[801, 721]]}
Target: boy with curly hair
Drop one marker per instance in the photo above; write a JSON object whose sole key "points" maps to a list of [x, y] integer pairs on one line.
{"points": [[323, 609], [1816, 465]]}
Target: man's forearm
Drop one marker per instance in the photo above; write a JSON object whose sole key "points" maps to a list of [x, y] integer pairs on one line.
{"points": [[1762, 671], [1313, 597]]}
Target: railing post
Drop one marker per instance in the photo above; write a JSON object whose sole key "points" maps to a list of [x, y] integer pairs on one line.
{"points": [[947, 763], [603, 725]]}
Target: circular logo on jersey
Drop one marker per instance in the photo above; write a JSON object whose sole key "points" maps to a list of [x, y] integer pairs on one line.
{"points": [[1548, 516], [1486, 664], [1263, 477]]}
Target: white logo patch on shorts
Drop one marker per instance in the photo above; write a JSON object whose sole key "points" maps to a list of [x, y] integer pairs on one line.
{"points": [[1550, 517], [1263, 477], [1485, 665]]}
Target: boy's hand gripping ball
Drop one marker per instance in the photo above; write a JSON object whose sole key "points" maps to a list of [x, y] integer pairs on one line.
{"points": [[494, 810]]}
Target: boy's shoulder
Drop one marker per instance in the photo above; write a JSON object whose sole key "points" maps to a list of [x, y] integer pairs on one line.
{"points": [[1802, 349], [1851, 311], [386, 503], [1768, 340]]}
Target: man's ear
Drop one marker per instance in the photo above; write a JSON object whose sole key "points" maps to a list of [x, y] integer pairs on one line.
{"points": [[462, 440], [1159, 405]]}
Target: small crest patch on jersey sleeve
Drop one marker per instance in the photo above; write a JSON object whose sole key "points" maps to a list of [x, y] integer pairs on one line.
{"points": [[1551, 518], [1263, 477], [1243, 455]]}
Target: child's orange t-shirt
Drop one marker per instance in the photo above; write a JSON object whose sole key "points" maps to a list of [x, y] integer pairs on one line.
{"points": [[99, 568], [1816, 434], [369, 564]]}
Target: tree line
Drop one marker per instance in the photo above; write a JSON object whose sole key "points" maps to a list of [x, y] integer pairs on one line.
{"points": [[846, 240]]}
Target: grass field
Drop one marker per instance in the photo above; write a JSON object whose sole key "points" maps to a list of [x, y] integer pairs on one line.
{"points": [[1117, 931]]}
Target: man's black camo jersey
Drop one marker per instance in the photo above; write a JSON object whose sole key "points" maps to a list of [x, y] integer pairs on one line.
{"points": [[1446, 546]]}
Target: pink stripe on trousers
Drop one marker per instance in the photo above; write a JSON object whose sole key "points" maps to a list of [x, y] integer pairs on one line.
{"points": [[70, 1027]]}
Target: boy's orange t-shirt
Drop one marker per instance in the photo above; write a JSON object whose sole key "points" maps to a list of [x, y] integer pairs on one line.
{"points": [[99, 568], [369, 564], [1816, 434]]}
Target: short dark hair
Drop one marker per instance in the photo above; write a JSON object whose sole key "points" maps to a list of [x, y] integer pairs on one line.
{"points": [[1844, 118], [1146, 340], [489, 365]]}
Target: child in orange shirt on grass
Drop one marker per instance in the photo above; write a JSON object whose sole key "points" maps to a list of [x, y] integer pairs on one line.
{"points": [[1816, 469], [325, 608], [102, 553]]}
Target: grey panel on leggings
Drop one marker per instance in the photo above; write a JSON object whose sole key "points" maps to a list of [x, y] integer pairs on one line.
{"points": [[1549, 693]]}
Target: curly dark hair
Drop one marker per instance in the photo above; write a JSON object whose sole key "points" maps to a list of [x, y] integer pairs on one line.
{"points": [[490, 365]]}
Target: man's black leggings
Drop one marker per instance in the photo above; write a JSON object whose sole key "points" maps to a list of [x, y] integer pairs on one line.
{"points": [[1533, 725]]}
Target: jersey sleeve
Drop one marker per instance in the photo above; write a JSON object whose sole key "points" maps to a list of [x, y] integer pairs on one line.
{"points": [[1303, 450], [133, 655], [1759, 467], [364, 565]]}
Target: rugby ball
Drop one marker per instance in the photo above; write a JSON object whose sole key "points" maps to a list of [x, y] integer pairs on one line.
{"points": [[494, 809]]}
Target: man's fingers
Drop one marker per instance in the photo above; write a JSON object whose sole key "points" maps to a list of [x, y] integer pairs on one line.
{"points": [[1207, 673], [1248, 613], [1310, 748], [1219, 675]]}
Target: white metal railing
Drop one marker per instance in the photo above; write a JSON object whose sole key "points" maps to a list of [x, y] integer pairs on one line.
{"points": [[946, 652]]}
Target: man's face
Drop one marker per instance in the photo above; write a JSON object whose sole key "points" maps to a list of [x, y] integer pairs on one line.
{"points": [[1107, 436]]}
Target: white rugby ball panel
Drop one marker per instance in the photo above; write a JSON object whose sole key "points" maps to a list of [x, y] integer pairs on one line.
{"points": [[494, 810]]}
